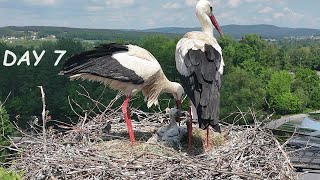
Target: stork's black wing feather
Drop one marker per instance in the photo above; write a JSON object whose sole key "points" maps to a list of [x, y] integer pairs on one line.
{"points": [[99, 62], [204, 84]]}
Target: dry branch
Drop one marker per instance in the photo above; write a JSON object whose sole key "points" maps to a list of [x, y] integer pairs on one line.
{"points": [[86, 151], [44, 120], [249, 153]]}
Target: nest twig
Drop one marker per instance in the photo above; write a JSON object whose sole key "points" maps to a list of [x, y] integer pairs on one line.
{"points": [[249, 153], [87, 151]]}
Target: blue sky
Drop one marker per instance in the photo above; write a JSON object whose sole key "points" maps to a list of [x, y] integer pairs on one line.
{"points": [[144, 14]]}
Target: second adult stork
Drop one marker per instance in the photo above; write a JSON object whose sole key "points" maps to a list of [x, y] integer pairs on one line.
{"points": [[127, 68], [200, 64]]}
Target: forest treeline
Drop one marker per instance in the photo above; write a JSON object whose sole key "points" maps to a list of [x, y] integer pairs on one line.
{"points": [[76, 33], [268, 77]]}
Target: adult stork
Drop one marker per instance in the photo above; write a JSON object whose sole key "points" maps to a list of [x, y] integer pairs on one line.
{"points": [[200, 64], [127, 68]]}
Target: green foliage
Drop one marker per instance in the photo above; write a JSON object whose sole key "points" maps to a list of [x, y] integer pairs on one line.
{"points": [[243, 52], [254, 41], [6, 129], [305, 86], [251, 66], [77, 33], [287, 103], [5, 174], [314, 99], [241, 90], [280, 83], [303, 96], [255, 70], [280, 96], [5, 125], [275, 69], [307, 79]]}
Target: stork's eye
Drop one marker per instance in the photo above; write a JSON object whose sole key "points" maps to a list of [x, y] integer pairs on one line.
{"points": [[211, 8]]}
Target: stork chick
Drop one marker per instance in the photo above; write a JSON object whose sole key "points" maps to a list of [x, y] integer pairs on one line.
{"points": [[172, 134]]}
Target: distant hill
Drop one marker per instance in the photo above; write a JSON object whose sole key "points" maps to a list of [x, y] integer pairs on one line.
{"points": [[78, 33], [237, 31]]}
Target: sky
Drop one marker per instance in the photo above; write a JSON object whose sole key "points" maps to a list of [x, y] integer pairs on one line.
{"points": [[145, 14]]}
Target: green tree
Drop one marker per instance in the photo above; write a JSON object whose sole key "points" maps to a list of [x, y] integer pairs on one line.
{"points": [[300, 57], [241, 89], [287, 103], [243, 52], [306, 79], [6, 130], [315, 99], [280, 96], [251, 66], [279, 83]]}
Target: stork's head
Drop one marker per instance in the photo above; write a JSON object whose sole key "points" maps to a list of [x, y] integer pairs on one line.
{"points": [[204, 11], [177, 91]]}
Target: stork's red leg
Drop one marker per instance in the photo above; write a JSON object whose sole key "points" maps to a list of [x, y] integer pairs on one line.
{"points": [[190, 131], [207, 139], [126, 114]]}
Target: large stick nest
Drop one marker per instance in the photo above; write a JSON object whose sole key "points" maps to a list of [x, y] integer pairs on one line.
{"points": [[86, 152], [89, 150]]}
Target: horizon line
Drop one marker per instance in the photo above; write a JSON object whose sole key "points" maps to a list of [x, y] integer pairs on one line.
{"points": [[153, 27]]}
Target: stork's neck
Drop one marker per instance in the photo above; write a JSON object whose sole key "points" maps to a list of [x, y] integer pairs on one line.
{"points": [[205, 23], [170, 87], [173, 122]]}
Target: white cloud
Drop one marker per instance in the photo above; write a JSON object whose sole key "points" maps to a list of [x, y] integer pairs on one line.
{"points": [[234, 3], [119, 3], [143, 14], [251, 1], [41, 2], [179, 3], [94, 8], [191, 2], [268, 20], [287, 15], [264, 10], [225, 15], [171, 5], [314, 22], [293, 15], [278, 15]]}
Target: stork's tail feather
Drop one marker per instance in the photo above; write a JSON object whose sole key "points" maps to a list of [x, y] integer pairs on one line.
{"points": [[216, 127]]}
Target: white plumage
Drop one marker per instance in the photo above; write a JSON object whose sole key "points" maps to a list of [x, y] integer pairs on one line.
{"points": [[196, 41], [200, 64], [138, 60], [127, 68]]}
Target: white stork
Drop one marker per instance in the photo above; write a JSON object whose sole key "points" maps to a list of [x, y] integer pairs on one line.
{"points": [[127, 68], [200, 64]]}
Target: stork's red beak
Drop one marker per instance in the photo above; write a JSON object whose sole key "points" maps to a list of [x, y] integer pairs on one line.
{"points": [[216, 25]]}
